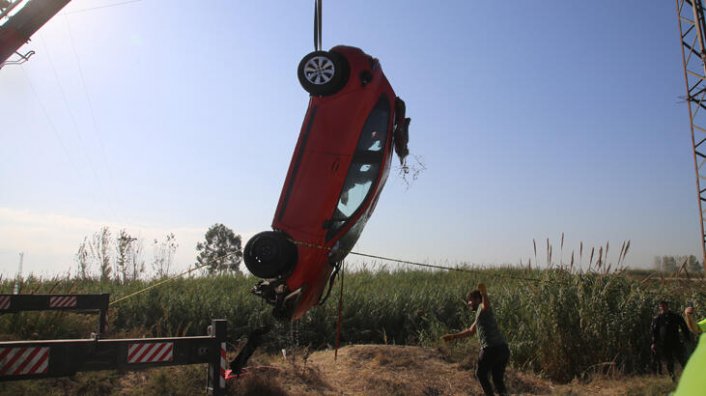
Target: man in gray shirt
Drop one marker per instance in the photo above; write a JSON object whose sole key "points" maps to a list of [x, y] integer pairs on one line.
{"points": [[494, 353]]}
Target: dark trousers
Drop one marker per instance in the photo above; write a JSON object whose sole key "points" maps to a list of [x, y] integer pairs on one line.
{"points": [[493, 360], [669, 352]]}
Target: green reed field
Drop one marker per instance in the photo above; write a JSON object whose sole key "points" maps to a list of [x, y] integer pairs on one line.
{"points": [[560, 324]]}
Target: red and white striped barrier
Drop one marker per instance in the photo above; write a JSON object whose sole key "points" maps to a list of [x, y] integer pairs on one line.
{"points": [[62, 302], [5, 302], [24, 360], [146, 352]]}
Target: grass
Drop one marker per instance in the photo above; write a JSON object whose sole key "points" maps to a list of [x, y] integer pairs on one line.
{"points": [[560, 324]]}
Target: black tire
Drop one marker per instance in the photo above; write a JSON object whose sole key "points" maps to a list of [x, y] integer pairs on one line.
{"points": [[323, 73], [270, 254]]}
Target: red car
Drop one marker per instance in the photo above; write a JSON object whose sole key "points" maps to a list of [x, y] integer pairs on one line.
{"points": [[338, 169]]}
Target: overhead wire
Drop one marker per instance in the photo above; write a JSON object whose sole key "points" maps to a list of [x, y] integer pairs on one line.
{"points": [[91, 110], [52, 125], [100, 7], [72, 117]]}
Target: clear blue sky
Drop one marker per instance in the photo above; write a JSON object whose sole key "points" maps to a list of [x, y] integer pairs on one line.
{"points": [[532, 119]]}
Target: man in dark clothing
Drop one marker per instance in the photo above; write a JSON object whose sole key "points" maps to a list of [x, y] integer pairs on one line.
{"points": [[666, 342], [494, 353]]}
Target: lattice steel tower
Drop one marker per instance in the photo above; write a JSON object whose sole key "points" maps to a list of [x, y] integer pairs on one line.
{"points": [[691, 31]]}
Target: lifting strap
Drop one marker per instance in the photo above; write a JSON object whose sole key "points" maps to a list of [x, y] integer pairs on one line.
{"points": [[340, 315]]}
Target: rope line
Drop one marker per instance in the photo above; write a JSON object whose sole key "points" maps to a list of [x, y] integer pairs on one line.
{"points": [[445, 268], [156, 284], [418, 264], [174, 277], [314, 246], [413, 263]]}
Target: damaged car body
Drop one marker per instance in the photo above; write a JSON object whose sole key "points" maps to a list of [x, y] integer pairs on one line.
{"points": [[341, 161]]}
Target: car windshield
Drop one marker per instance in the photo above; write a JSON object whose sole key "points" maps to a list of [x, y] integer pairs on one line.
{"points": [[365, 166]]}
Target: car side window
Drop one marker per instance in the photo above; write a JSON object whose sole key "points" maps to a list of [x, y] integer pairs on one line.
{"points": [[360, 178], [366, 164], [375, 129]]}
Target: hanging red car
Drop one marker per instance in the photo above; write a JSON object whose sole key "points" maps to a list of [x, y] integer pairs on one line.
{"points": [[338, 169]]}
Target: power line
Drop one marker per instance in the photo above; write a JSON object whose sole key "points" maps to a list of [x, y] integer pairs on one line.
{"points": [[72, 117], [51, 122], [101, 7], [96, 131]]}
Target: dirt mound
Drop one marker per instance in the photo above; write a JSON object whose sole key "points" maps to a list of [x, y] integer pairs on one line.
{"points": [[374, 370], [392, 370]]}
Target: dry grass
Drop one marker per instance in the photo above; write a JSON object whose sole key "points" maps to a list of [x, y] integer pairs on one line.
{"points": [[359, 370], [383, 370], [409, 370], [390, 370], [618, 386]]}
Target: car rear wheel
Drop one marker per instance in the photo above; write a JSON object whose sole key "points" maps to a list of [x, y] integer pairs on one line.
{"points": [[323, 73], [270, 254]]}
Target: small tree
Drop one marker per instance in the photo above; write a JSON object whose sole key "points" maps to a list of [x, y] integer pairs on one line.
{"points": [[128, 261], [164, 252], [123, 251], [221, 252], [82, 259], [136, 260], [97, 250], [120, 259]]}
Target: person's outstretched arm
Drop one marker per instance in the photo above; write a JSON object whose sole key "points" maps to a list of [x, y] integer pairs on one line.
{"points": [[462, 334]]}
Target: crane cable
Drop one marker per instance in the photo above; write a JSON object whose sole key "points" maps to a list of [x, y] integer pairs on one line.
{"points": [[317, 25]]}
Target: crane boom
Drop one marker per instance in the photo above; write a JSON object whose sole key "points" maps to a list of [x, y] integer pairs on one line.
{"points": [[19, 28]]}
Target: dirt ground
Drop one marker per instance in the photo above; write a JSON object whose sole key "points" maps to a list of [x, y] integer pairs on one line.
{"points": [[405, 370], [358, 370]]}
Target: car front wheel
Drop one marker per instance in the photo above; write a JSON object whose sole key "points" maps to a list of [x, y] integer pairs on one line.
{"points": [[323, 73], [270, 254]]}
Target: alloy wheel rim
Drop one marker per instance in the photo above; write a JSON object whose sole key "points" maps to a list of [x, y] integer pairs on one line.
{"points": [[319, 70]]}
